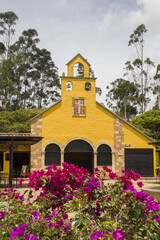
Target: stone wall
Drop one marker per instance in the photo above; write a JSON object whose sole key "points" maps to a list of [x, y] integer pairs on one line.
{"points": [[36, 149], [119, 145]]}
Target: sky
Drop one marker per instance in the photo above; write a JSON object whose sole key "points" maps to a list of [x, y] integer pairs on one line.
{"points": [[97, 29]]}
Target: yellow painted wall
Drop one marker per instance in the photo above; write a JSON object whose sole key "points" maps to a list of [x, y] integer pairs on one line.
{"points": [[95, 126]]}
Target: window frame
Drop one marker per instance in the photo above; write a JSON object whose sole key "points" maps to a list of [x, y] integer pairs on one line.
{"points": [[101, 153], [46, 158], [73, 107]]}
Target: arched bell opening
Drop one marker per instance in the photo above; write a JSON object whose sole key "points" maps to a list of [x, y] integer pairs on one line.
{"points": [[78, 70], [80, 153]]}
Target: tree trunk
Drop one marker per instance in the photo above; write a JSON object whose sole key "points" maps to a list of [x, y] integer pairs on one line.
{"points": [[125, 113]]}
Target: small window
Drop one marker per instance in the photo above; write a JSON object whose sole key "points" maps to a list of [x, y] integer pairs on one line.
{"points": [[52, 155], [79, 106], [69, 86], [87, 86], [104, 155]]}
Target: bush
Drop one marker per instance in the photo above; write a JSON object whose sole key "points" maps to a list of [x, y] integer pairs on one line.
{"points": [[17, 121], [101, 211]]}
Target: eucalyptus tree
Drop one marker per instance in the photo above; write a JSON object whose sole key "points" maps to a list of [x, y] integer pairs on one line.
{"points": [[157, 85], [7, 30], [140, 69], [46, 81], [7, 84], [38, 75], [24, 48], [122, 98]]}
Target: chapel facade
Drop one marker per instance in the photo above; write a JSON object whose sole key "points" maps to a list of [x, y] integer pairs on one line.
{"points": [[79, 130]]}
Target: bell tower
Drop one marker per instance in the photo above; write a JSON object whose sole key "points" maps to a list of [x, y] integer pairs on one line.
{"points": [[78, 67], [78, 88]]}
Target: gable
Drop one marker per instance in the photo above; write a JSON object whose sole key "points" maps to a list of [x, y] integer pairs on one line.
{"points": [[80, 60], [128, 126], [52, 106]]}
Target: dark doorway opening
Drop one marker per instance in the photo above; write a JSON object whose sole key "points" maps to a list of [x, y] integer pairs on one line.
{"points": [[140, 160], [20, 159], [80, 153]]}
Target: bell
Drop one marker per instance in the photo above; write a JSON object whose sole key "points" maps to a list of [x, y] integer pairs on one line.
{"points": [[80, 70]]}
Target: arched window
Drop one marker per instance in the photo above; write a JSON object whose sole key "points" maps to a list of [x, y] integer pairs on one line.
{"points": [[104, 155], [52, 154]]}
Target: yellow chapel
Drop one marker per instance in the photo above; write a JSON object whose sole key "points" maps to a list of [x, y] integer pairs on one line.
{"points": [[79, 130]]}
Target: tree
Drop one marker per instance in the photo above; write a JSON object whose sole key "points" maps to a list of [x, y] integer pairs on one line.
{"points": [[45, 78], [37, 72], [149, 123], [28, 75], [7, 84], [122, 98], [24, 48], [7, 22], [139, 70], [157, 87]]}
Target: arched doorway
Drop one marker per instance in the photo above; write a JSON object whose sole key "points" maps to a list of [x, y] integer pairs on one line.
{"points": [[80, 153]]}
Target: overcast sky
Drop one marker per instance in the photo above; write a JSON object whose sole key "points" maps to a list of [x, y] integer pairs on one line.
{"points": [[97, 29]]}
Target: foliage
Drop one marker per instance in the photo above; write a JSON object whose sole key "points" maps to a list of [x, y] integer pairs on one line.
{"points": [[157, 85], [7, 22], [102, 211], [17, 121], [122, 98], [28, 75], [149, 123]]}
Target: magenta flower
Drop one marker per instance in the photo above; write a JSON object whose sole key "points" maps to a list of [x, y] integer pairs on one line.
{"points": [[20, 181], [107, 169], [118, 235], [65, 216], [158, 219], [34, 238], [51, 225], [36, 215], [69, 197], [140, 184], [1, 215], [112, 175], [96, 235], [27, 237], [18, 231]]}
